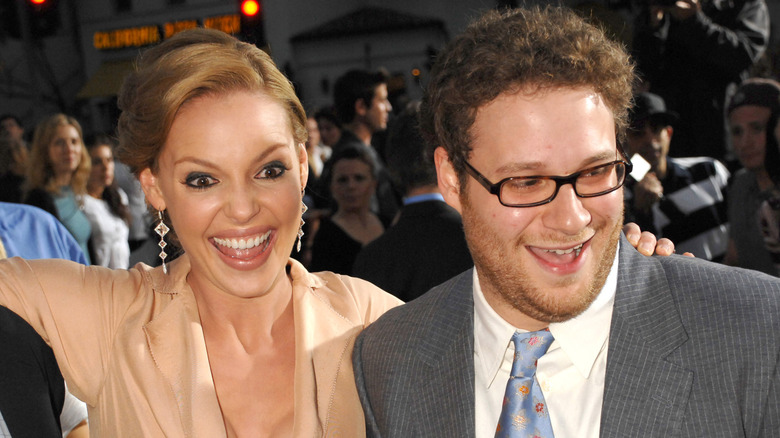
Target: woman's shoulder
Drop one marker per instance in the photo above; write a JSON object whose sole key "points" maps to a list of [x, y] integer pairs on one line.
{"points": [[347, 294]]}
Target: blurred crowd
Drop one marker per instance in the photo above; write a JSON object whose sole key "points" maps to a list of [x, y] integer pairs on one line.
{"points": [[700, 126]]}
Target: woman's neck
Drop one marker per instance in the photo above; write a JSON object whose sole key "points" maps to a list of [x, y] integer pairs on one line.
{"points": [[63, 179], [96, 191]]}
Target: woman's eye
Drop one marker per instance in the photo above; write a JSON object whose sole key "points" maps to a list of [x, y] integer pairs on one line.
{"points": [[272, 171], [200, 181]]}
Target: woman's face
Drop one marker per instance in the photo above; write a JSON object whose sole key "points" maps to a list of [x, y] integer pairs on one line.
{"points": [[352, 184], [230, 176], [102, 174], [65, 151]]}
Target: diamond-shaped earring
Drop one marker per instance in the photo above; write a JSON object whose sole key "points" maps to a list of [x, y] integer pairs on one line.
{"points": [[300, 229], [161, 229]]}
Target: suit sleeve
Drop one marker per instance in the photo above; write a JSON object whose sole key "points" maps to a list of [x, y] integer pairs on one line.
{"points": [[771, 422], [372, 429]]}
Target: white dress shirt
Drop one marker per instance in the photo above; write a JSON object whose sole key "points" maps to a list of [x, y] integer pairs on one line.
{"points": [[571, 374]]}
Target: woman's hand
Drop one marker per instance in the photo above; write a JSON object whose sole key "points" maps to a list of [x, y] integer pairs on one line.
{"points": [[646, 243]]}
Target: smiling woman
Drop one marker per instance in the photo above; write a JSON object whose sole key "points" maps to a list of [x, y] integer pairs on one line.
{"points": [[57, 174], [236, 339]]}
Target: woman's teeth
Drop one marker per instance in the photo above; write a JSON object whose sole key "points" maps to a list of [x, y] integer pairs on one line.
{"points": [[243, 243], [577, 249]]}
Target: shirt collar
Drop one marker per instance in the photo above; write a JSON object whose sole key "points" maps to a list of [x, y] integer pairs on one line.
{"points": [[582, 337], [424, 197]]}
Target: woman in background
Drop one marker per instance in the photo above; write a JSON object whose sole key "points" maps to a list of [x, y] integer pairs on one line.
{"points": [[106, 208], [352, 181], [57, 172]]}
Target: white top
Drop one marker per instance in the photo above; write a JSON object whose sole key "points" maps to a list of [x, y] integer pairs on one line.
{"points": [[109, 233], [571, 374]]}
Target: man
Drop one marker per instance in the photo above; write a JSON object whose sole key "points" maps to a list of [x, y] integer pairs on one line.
{"points": [[34, 401], [650, 347], [749, 112], [682, 199], [426, 245], [362, 104], [691, 52], [11, 125]]}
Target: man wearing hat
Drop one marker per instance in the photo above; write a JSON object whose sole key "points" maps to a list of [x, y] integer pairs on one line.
{"points": [[754, 103], [682, 199]]}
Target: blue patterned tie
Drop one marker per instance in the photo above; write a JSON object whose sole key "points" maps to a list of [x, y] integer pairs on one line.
{"points": [[524, 413]]}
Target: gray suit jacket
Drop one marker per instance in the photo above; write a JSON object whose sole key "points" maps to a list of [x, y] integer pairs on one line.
{"points": [[694, 351]]}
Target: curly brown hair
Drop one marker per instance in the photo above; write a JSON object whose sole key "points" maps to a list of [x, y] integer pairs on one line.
{"points": [[529, 50]]}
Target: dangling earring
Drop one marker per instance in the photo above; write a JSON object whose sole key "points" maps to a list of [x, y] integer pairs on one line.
{"points": [[300, 229], [161, 229]]}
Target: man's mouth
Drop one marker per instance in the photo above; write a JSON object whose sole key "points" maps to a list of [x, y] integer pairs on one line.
{"points": [[577, 249]]}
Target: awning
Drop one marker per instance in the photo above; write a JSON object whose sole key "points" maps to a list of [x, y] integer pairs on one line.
{"points": [[107, 79]]}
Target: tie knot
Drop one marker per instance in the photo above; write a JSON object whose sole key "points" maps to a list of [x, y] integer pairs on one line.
{"points": [[529, 347]]}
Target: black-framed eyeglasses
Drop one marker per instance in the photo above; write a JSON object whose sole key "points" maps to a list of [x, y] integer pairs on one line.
{"points": [[530, 191]]}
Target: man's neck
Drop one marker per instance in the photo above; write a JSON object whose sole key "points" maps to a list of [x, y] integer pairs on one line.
{"points": [[361, 131], [662, 168]]}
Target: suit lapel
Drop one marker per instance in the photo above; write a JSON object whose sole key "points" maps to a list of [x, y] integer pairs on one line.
{"points": [[643, 391], [445, 404]]}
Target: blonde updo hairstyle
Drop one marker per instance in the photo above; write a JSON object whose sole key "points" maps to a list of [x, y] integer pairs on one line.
{"points": [[40, 172], [189, 65], [192, 64]]}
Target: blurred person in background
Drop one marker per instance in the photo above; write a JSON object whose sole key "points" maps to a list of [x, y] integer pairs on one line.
{"points": [[34, 401], [106, 208], [352, 181], [682, 199], [57, 172], [426, 246], [11, 125], [750, 111], [330, 128], [13, 165], [693, 53]]}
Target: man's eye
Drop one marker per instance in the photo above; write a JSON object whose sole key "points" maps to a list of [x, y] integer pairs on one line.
{"points": [[200, 181], [524, 184]]}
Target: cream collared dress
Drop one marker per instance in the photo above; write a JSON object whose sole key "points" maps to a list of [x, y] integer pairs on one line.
{"points": [[130, 344]]}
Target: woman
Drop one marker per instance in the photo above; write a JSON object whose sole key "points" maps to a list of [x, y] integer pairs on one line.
{"points": [[232, 338], [57, 173], [106, 208], [352, 181]]}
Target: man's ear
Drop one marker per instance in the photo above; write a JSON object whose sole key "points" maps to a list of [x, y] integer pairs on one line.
{"points": [[151, 188], [449, 184], [360, 107], [303, 161]]}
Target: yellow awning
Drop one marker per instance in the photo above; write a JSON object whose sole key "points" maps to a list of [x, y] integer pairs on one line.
{"points": [[107, 79]]}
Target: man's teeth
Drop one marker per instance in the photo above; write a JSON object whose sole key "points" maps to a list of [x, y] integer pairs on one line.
{"points": [[243, 243], [577, 249]]}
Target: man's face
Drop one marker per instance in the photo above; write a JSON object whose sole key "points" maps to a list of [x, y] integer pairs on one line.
{"points": [[11, 128], [546, 263], [747, 124], [378, 112], [651, 140]]}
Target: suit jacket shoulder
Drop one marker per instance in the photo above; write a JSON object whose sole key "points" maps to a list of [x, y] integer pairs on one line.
{"points": [[424, 248], [693, 350], [414, 366]]}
